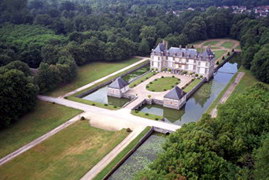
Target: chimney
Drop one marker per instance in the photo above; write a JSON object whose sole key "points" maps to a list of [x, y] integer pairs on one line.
{"points": [[180, 46], [165, 44]]}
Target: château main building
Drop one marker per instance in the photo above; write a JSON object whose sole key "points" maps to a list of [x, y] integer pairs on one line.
{"points": [[179, 59]]}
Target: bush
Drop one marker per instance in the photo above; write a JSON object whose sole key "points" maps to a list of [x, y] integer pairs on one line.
{"points": [[136, 111], [196, 75], [115, 107], [155, 79], [156, 119], [217, 63], [162, 76], [146, 114], [128, 130], [106, 104], [93, 104], [173, 76], [165, 89], [82, 118], [147, 87]]}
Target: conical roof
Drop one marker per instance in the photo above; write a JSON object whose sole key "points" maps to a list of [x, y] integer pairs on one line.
{"points": [[119, 83], [176, 93]]}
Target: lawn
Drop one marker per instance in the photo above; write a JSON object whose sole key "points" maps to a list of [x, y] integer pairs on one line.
{"points": [[228, 45], [44, 118], [146, 115], [219, 53], [67, 155], [141, 79], [210, 43], [163, 84], [121, 155], [91, 72], [192, 85]]}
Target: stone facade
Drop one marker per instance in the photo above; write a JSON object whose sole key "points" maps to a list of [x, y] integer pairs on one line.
{"points": [[174, 104], [183, 59], [117, 88]]}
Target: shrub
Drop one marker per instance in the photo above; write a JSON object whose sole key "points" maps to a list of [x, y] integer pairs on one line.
{"points": [[217, 63], [128, 130], [196, 75], [136, 111], [147, 87], [156, 119], [150, 83], [93, 104], [115, 107], [165, 89], [162, 76], [82, 118], [146, 114], [172, 86], [106, 104], [173, 76], [155, 79]]}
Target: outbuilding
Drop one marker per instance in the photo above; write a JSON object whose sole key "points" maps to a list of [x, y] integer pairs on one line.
{"points": [[117, 88], [175, 98]]}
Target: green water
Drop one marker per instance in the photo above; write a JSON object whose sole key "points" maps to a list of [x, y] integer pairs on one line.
{"points": [[133, 75], [199, 102], [143, 156], [100, 96]]}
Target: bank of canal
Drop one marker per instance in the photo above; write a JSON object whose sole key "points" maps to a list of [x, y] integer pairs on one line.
{"points": [[192, 112]]}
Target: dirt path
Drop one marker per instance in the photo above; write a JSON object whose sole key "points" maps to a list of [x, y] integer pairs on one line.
{"points": [[103, 78], [227, 94], [110, 156], [39, 140]]}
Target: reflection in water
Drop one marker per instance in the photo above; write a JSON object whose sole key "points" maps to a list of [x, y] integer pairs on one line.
{"points": [[133, 75], [199, 102], [144, 155], [100, 96]]}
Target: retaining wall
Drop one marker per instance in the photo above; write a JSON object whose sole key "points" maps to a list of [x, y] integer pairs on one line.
{"points": [[226, 60]]}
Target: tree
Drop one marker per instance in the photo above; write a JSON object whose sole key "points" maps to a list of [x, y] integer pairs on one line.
{"points": [[17, 97], [260, 64], [248, 55], [262, 160], [144, 48], [148, 33]]}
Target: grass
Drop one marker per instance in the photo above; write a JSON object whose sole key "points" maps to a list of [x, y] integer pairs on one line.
{"points": [[163, 84], [247, 81], [210, 43], [44, 118], [238, 47], [216, 101], [146, 115], [121, 155], [97, 104], [228, 45], [91, 72], [190, 86], [67, 155], [141, 79], [110, 78], [219, 53]]}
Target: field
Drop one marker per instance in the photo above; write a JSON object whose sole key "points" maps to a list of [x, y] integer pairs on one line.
{"points": [[211, 43], [67, 155], [219, 53], [91, 72], [228, 45], [163, 84], [44, 118]]}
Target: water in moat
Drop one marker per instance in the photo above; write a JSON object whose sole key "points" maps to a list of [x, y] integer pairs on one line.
{"points": [[100, 95], [143, 156], [199, 102], [192, 111], [131, 76]]}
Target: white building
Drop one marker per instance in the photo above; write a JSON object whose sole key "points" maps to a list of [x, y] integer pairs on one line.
{"points": [[175, 98], [117, 88], [179, 59]]}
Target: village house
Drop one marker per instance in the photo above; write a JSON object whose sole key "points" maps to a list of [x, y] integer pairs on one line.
{"points": [[177, 60], [117, 88]]}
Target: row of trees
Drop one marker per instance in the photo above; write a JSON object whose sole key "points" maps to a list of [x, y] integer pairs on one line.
{"points": [[232, 146]]}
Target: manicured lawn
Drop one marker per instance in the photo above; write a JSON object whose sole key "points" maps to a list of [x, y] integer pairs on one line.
{"points": [[228, 45], [211, 43], [146, 115], [219, 53], [238, 47], [192, 85], [91, 72], [121, 155], [44, 118], [163, 84], [85, 101], [141, 79], [67, 155]]}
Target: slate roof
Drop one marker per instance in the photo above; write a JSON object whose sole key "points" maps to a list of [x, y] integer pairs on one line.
{"points": [[176, 93], [183, 52], [118, 83]]}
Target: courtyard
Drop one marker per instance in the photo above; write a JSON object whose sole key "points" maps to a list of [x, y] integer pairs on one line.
{"points": [[142, 92]]}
